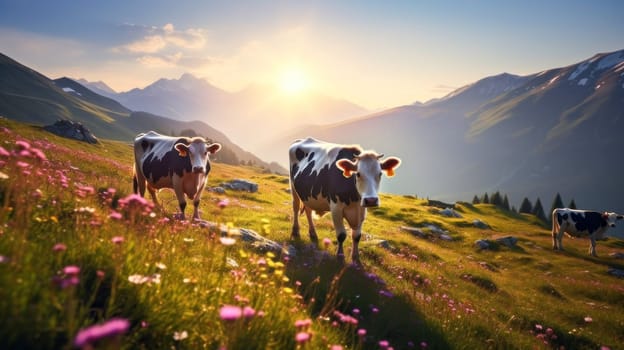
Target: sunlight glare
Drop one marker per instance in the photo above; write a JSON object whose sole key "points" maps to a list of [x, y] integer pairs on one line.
{"points": [[293, 81]]}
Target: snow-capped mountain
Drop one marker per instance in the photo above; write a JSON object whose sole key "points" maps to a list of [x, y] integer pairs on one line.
{"points": [[532, 136]]}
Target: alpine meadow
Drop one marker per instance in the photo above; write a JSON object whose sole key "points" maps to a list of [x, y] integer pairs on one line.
{"points": [[85, 263], [311, 175]]}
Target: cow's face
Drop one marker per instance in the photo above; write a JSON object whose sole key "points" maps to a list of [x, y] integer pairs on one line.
{"points": [[612, 218], [368, 169], [198, 151]]}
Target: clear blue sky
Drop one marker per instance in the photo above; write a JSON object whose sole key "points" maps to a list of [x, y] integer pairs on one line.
{"points": [[374, 53]]}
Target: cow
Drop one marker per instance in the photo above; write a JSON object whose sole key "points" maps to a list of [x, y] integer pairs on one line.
{"points": [[581, 223], [340, 179], [179, 163]]}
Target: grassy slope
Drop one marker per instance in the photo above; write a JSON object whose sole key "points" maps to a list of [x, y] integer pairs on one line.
{"points": [[447, 294]]}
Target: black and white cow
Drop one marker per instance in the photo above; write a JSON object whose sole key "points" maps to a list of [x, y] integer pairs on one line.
{"points": [[180, 163], [581, 223], [321, 178]]}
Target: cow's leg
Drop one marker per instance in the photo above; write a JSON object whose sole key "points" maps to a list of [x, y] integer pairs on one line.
{"points": [[559, 238], [592, 245], [341, 233], [355, 218], [296, 204], [197, 200], [179, 192], [311, 228]]}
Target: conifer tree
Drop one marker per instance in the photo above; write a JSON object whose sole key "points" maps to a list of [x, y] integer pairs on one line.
{"points": [[496, 199], [572, 204], [506, 203], [476, 200], [557, 203], [538, 210], [526, 207], [486, 199]]}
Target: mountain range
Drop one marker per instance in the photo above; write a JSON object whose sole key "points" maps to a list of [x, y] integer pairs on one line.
{"points": [[251, 117], [28, 96], [556, 131]]}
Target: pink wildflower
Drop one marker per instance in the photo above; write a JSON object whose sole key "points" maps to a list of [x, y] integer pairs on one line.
{"points": [[230, 313], [115, 215], [223, 203], [361, 332], [303, 323], [71, 270], [89, 335], [248, 312], [4, 152], [588, 319], [117, 239], [336, 347], [384, 344], [22, 145], [59, 247], [326, 242], [303, 337]]}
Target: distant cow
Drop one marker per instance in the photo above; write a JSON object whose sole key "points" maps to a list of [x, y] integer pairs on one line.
{"points": [[321, 179], [581, 223], [180, 163]]}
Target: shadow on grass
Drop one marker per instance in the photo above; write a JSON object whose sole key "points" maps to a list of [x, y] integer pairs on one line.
{"points": [[334, 289]]}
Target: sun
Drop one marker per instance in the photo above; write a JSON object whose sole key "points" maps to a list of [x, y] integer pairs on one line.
{"points": [[293, 81]]}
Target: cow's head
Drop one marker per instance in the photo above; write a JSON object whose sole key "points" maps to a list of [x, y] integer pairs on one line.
{"points": [[611, 218], [197, 150], [368, 168]]}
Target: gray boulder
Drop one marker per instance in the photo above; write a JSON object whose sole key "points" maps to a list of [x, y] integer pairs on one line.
{"points": [[480, 224], [241, 185], [71, 130], [509, 241]]}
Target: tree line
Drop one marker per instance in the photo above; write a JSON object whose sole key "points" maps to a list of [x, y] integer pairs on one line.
{"points": [[526, 206]]}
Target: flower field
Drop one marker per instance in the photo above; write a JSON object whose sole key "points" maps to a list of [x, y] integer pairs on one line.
{"points": [[84, 263]]}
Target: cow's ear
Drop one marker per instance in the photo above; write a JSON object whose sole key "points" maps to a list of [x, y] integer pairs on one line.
{"points": [[389, 165], [346, 166], [182, 149], [214, 148]]}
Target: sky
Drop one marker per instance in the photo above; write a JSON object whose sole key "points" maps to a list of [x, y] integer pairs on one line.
{"points": [[377, 54]]}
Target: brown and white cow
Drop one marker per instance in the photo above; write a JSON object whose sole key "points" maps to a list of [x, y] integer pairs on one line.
{"points": [[581, 223], [180, 163], [340, 179]]}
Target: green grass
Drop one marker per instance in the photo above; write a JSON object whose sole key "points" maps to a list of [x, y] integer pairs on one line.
{"points": [[411, 290]]}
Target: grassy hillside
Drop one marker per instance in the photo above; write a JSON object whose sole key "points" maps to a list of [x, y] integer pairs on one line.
{"points": [[76, 251]]}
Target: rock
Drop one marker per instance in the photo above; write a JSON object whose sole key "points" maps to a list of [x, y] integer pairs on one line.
{"points": [[482, 244], [450, 212], [436, 230], [480, 224], [72, 130], [241, 185], [617, 255], [446, 237], [509, 241], [384, 244], [414, 230], [616, 272], [264, 244], [218, 190], [439, 204]]}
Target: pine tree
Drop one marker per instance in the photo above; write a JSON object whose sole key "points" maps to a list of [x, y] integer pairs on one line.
{"points": [[496, 199], [476, 200], [506, 203], [526, 207], [538, 210], [486, 199], [557, 203], [572, 204]]}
